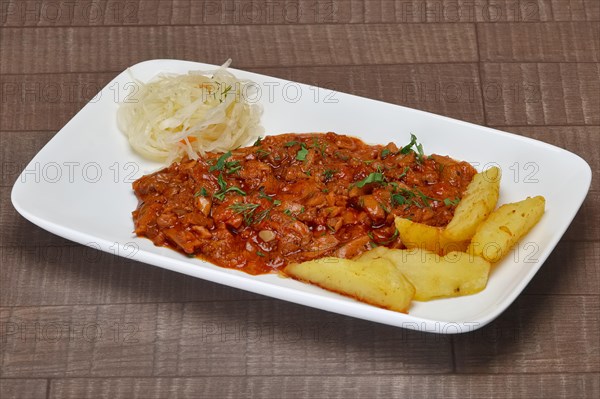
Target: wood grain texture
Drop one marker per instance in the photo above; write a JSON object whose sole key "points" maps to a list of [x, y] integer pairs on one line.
{"points": [[585, 227], [569, 10], [18, 231], [267, 337], [48, 101], [537, 334], [584, 386], [74, 274], [277, 338], [435, 11], [541, 93], [99, 49], [16, 152], [571, 269], [23, 388], [535, 42], [47, 13], [78, 340]]}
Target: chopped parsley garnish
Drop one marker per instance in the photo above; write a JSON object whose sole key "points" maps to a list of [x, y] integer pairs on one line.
{"points": [[222, 164], [301, 155], [262, 194], [409, 147], [404, 172], [425, 198], [201, 192], [262, 215], [246, 210], [257, 142], [262, 153], [223, 93], [319, 146], [260, 254], [386, 242], [341, 156], [450, 202], [227, 90], [374, 177], [328, 173], [302, 152], [420, 153], [220, 195], [408, 197], [233, 167], [243, 207], [385, 208], [222, 182], [384, 153], [372, 242], [403, 198], [288, 212]]}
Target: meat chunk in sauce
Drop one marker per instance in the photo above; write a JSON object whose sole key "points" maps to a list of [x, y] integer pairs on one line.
{"points": [[295, 197]]}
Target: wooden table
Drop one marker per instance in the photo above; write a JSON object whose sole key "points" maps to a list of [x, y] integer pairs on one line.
{"points": [[80, 323]]}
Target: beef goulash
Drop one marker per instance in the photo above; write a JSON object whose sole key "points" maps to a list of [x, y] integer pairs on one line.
{"points": [[291, 198]]}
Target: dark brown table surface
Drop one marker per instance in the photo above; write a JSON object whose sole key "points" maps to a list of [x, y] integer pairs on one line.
{"points": [[78, 323]]}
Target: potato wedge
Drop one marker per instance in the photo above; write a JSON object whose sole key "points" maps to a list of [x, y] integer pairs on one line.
{"points": [[478, 201], [505, 226], [375, 253], [417, 235], [433, 276], [375, 282]]}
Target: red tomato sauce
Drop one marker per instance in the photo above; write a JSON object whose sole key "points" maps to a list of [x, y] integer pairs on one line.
{"points": [[296, 197]]}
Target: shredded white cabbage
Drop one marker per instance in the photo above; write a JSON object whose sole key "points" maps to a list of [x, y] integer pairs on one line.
{"points": [[175, 115]]}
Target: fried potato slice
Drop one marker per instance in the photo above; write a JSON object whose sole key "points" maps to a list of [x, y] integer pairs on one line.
{"points": [[434, 276], [505, 227], [478, 201], [375, 253], [375, 282], [417, 235]]}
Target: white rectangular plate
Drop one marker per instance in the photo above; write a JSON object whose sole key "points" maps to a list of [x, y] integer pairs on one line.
{"points": [[79, 187]]}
